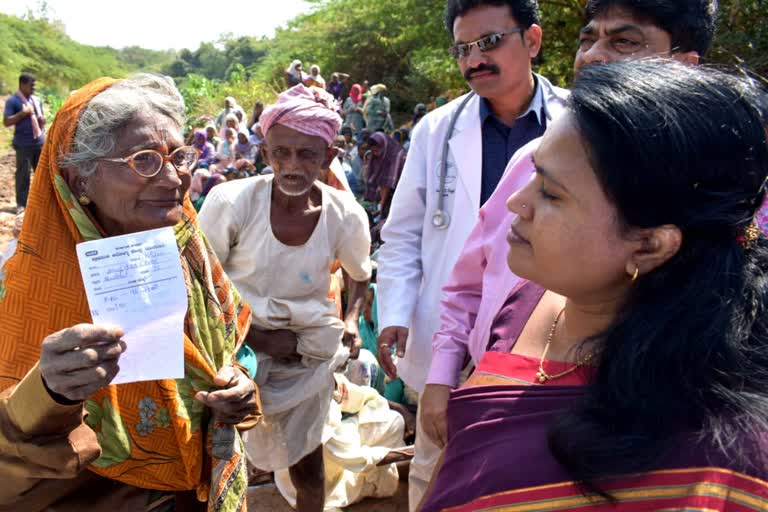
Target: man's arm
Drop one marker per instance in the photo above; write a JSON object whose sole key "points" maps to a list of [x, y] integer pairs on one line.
{"points": [[355, 301], [41, 443], [11, 116]]}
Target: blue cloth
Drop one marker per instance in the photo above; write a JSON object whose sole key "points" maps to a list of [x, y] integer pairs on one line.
{"points": [[22, 135], [500, 141], [247, 358]]}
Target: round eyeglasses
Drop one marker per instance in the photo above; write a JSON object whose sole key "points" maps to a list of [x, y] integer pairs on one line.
{"points": [[148, 163]]}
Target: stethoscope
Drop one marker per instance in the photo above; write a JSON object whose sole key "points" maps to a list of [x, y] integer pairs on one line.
{"points": [[441, 219]]}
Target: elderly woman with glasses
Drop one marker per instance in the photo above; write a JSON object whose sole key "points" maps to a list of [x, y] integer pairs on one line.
{"points": [[115, 163]]}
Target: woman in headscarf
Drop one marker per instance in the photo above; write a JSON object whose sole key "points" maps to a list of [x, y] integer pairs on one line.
{"points": [[230, 108], [230, 122], [206, 150], [225, 153], [115, 163], [294, 75], [628, 368], [315, 79], [384, 161], [244, 148], [353, 109]]}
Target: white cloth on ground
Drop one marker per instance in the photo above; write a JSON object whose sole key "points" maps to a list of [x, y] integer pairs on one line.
{"points": [[352, 446], [9, 251], [287, 288]]}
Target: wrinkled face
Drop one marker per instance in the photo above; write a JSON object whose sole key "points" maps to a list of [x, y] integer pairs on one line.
{"points": [[494, 73], [124, 202], [619, 35], [566, 236], [296, 158]]}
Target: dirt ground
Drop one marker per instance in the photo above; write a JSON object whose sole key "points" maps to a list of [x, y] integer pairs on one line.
{"points": [[7, 196]]}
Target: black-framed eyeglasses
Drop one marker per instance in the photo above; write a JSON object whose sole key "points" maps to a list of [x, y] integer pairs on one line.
{"points": [[148, 163], [484, 44]]}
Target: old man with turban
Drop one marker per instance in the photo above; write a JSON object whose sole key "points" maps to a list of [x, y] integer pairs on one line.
{"points": [[277, 236]]}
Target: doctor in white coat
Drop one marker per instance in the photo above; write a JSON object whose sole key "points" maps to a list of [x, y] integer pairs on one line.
{"points": [[429, 221]]}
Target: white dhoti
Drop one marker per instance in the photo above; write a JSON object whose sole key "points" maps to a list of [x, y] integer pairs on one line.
{"points": [[352, 447]]}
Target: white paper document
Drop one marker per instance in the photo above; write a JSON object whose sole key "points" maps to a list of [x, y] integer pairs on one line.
{"points": [[135, 282]]}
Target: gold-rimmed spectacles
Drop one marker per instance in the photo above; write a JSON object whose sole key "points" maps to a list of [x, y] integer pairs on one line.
{"points": [[148, 163]]}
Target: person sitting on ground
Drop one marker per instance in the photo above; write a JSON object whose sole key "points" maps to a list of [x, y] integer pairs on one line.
{"points": [[202, 183], [360, 433], [632, 355], [294, 74], [230, 122], [244, 148], [115, 163], [225, 153], [210, 133], [241, 124], [278, 236], [314, 79], [230, 108], [205, 149]]}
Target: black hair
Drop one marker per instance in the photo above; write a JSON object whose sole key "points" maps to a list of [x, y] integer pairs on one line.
{"points": [[525, 12], [690, 23], [26, 78], [688, 351]]}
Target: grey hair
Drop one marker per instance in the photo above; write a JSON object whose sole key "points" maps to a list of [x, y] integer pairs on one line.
{"points": [[113, 108]]}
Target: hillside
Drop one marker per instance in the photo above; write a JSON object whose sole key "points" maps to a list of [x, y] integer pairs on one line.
{"points": [[61, 64]]}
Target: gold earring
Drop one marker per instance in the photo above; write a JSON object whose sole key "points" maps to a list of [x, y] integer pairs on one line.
{"points": [[83, 200], [636, 274]]}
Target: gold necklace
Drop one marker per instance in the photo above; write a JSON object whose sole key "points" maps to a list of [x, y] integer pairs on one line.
{"points": [[542, 376]]}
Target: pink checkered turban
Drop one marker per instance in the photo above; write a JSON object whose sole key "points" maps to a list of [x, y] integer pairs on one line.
{"points": [[309, 110]]}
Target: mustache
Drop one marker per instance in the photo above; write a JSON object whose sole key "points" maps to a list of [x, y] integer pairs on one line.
{"points": [[493, 68]]}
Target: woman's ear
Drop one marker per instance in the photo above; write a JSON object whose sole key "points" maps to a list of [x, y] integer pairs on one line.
{"points": [[76, 183], [657, 246]]}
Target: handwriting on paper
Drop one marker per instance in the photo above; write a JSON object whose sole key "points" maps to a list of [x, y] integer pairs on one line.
{"points": [[135, 281]]}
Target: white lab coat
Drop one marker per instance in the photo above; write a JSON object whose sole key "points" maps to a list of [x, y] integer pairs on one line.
{"points": [[416, 259]]}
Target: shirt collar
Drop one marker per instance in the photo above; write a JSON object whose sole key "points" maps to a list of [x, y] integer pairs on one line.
{"points": [[536, 106]]}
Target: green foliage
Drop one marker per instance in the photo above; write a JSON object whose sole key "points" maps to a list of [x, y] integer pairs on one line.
{"points": [[205, 97], [41, 46], [401, 43]]}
